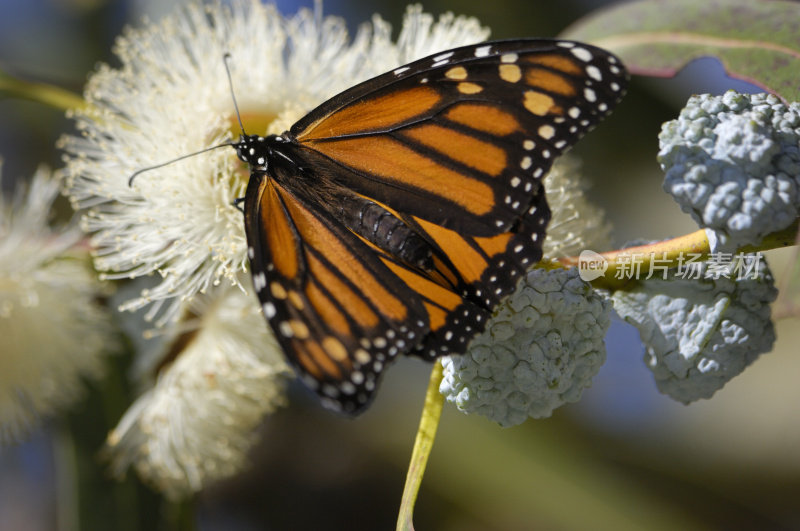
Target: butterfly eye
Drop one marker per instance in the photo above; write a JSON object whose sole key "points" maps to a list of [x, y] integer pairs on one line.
{"points": [[395, 216]]}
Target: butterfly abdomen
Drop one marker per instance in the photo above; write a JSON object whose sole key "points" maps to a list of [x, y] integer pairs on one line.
{"points": [[386, 231]]}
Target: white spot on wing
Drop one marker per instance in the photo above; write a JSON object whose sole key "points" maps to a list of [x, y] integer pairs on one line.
{"points": [[310, 381], [286, 329], [582, 53], [547, 132], [483, 51], [594, 73]]}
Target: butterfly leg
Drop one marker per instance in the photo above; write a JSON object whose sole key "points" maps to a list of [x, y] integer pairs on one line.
{"points": [[238, 204]]}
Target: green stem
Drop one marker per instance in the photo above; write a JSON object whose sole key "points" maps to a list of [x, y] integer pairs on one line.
{"points": [[423, 444], [40, 92], [671, 252], [179, 515], [66, 474]]}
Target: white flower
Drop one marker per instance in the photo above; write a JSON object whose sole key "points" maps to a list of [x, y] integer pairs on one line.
{"points": [[53, 331], [171, 97], [576, 224], [218, 374]]}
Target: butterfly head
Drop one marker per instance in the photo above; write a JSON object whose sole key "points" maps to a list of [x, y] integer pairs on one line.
{"points": [[254, 150]]}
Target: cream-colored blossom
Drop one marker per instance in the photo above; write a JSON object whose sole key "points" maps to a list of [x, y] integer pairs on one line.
{"points": [[53, 331], [171, 97], [576, 223], [212, 378]]}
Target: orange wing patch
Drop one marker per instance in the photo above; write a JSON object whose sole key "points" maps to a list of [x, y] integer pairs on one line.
{"points": [[486, 118], [342, 292], [439, 301], [316, 361], [540, 103], [329, 313], [332, 248], [550, 81], [373, 114], [468, 262], [443, 274], [557, 62], [277, 230], [436, 315], [468, 150], [494, 245], [428, 289], [389, 159]]}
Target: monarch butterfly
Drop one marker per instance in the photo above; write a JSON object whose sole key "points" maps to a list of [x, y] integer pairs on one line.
{"points": [[393, 217]]}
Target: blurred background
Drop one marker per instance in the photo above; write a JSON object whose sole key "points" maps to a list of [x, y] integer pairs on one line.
{"points": [[624, 457]]}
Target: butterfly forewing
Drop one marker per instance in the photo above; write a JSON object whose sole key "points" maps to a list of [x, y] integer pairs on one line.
{"points": [[468, 131], [406, 207]]}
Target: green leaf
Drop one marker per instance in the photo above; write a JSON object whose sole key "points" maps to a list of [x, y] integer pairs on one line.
{"points": [[756, 41]]}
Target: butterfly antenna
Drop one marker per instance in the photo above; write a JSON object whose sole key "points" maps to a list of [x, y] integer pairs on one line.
{"points": [[167, 163], [226, 59]]}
